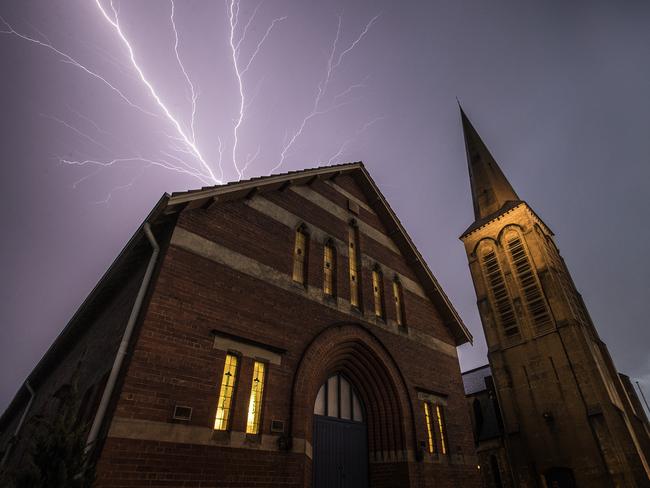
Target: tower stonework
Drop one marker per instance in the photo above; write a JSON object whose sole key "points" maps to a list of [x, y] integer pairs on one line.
{"points": [[568, 419]]}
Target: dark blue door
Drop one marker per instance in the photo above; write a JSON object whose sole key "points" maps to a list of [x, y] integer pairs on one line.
{"points": [[340, 453]]}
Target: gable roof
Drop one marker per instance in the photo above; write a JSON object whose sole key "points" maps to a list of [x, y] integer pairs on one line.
{"points": [[207, 196], [138, 246]]}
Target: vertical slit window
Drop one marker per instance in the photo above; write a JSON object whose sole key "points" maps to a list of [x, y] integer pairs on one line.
{"points": [[378, 291], [255, 402], [502, 304], [224, 405], [300, 255], [532, 294], [440, 416], [329, 269], [398, 298], [353, 255], [427, 417]]}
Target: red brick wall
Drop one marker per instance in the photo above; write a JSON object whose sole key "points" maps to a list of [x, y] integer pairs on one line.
{"points": [[127, 463], [174, 361]]}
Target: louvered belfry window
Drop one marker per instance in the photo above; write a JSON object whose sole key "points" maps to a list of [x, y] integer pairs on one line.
{"points": [[504, 310], [530, 289]]}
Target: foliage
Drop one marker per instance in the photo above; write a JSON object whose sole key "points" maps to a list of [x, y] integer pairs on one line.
{"points": [[56, 457]]}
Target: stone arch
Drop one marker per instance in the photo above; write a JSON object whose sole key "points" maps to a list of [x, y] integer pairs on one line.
{"points": [[512, 227], [483, 242], [354, 351]]}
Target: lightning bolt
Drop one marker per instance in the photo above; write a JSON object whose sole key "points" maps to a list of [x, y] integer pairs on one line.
{"points": [[76, 130], [193, 93], [233, 18], [69, 59], [347, 142], [182, 154], [323, 86], [115, 23]]}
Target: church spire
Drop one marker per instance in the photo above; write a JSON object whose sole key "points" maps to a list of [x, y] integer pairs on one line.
{"points": [[490, 188]]}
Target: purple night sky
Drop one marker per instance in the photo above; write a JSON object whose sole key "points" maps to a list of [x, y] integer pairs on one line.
{"points": [[558, 91]]}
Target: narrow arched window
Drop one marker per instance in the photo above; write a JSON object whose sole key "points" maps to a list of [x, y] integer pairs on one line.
{"points": [[431, 444], [300, 255], [329, 268], [353, 259], [378, 291], [398, 298], [255, 401], [442, 428], [226, 393]]}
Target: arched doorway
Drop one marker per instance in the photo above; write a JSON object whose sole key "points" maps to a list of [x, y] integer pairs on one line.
{"points": [[340, 436]]}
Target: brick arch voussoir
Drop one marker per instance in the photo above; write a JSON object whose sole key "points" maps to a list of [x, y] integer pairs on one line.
{"points": [[353, 349]]}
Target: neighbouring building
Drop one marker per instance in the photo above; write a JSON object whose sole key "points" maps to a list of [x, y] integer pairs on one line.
{"points": [[551, 410], [280, 331]]}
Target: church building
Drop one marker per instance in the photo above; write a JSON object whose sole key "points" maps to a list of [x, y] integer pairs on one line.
{"points": [[551, 410], [279, 331]]}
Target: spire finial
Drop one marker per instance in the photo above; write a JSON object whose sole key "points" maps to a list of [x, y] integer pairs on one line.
{"points": [[490, 188]]}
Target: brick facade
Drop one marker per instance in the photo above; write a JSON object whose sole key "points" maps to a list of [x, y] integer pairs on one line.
{"points": [[224, 285]]}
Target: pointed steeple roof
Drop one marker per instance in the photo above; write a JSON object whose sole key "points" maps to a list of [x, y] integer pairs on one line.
{"points": [[490, 188]]}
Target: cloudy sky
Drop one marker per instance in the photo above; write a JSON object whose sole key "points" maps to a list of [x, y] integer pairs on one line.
{"points": [[558, 90]]}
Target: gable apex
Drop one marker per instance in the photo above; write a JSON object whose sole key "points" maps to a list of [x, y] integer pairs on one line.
{"points": [[206, 197]]}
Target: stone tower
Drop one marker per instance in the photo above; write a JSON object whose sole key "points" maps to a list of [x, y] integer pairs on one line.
{"points": [[568, 419]]}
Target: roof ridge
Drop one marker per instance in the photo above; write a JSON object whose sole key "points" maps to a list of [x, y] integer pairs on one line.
{"points": [[261, 178]]}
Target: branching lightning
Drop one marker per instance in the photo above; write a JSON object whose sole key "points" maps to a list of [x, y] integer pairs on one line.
{"points": [[348, 141], [69, 59], [182, 154], [115, 22], [193, 93], [323, 86], [235, 50]]}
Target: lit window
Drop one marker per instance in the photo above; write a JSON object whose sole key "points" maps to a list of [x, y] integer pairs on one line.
{"points": [[441, 428], [353, 254], [399, 302], [255, 403], [329, 269], [378, 291], [300, 255], [427, 417], [224, 404], [338, 398]]}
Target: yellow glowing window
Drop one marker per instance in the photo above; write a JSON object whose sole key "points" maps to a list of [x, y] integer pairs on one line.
{"points": [[427, 418], [399, 302], [300, 256], [378, 291], [224, 405], [353, 264], [328, 269], [255, 403], [441, 428]]}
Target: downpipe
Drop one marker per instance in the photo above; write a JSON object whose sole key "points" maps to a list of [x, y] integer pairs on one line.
{"points": [[124, 345], [20, 424]]}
